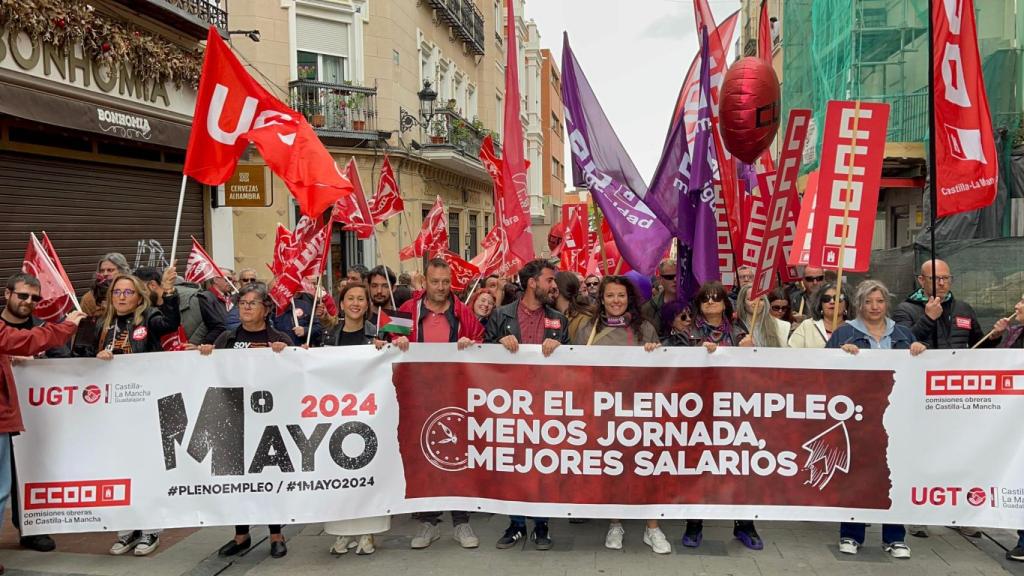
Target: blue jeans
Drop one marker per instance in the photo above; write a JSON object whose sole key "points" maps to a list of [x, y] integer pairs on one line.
{"points": [[1020, 535], [890, 532], [5, 471], [517, 520]]}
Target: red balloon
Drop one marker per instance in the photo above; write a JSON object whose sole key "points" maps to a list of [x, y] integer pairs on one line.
{"points": [[749, 108], [556, 235]]}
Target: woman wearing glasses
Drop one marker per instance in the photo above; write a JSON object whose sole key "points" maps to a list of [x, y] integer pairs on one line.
{"points": [[779, 306], [712, 328], [254, 306], [677, 323], [131, 326], [815, 331], [763, 330]]}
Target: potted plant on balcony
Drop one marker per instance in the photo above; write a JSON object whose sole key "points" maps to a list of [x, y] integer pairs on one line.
{"points": [[437, 129], [356, 103]]}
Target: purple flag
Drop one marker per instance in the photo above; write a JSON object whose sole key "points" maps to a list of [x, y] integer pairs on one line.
{"points": [[671, 177], [697, 233], [606, 170]]}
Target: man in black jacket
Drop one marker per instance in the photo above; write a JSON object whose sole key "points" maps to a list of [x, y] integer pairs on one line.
{"points": [[530, 320], [940, 321]]}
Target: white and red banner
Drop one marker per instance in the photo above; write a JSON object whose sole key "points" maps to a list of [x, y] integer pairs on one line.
{"points": [[852, 150], [966, 165], [433, 234], [258, 437], [56, 290], [780, 213], [200, 266], [232, 110], [386, 201]]}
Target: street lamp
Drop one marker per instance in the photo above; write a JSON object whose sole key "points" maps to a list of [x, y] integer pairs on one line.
{"points": [[427, 97]]}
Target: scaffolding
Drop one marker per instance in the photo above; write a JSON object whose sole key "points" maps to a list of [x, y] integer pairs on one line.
{"points": [[877, 50]]}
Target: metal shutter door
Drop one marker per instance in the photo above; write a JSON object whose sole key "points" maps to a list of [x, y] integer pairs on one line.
{"points": [[89, 209]]}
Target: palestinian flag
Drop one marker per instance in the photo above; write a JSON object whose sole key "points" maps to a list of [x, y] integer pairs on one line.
{"points": [[394, 323]]}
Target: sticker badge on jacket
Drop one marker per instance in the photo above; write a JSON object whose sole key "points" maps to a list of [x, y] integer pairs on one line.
{"points": [[552, 323], [963, 322], [140, 333]]}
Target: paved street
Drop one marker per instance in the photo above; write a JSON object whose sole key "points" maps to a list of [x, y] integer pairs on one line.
{"points": [[792, 549]]}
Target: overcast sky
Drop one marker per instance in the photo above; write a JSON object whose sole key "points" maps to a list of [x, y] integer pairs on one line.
{"points": [[635, 54]]}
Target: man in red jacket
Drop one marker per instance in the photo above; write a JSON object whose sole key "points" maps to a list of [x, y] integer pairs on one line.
{"points": [[437, 317], [15, 342]]}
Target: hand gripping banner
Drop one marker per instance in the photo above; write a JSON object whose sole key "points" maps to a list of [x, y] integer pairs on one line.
{"points": [[257, 437]]}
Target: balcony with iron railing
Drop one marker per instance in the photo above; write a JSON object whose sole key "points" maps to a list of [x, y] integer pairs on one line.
{"points": [[339, 111], [454, 142], [192, 17], [908, 116], [465, 20]]}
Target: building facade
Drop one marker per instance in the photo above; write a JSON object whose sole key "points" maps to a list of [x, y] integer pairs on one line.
{"points": [[359, 72], [92, 143]]}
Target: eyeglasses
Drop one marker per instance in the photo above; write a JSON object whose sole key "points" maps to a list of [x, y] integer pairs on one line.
{"points": [[712, 298], [591, 284], [36, 298], [668, 277], [249, 304], [247, 280], [685, 317], [940, 279], [777, 308], [828, 298], [814, 278], [127, 293]]}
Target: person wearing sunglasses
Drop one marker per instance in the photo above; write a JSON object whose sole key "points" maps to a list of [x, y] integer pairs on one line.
{"points": [[779, 306], [677, 322], [248, 276], [815, 331], [800, 301], [666, 285], [590, 283], [713, 327]]}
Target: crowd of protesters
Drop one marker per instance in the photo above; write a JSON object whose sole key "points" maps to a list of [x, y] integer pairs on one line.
{"points": [[140, 311]]}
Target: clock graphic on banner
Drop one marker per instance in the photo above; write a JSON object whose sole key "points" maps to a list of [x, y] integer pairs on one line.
{"points": [[441, 439]]}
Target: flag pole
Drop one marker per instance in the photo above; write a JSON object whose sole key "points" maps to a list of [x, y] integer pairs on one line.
{"points": [[380, 254], [312, 315], [846, 215], [473, 289], [70, 289], [992, 331], [177, 219], [932, 168]]}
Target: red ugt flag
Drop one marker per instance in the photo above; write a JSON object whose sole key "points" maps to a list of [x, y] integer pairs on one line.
{"points": [[966, 166], [57, 296], [233, 109], [201, 267], [386, 201], [433, 235]]}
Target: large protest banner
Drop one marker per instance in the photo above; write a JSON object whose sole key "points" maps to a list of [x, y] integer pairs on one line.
{"points": [[249, 436]]}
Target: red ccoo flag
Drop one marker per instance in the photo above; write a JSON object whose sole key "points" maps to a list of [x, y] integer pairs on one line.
{"points": [[433, 235], [352, 210], [966, 165], [57, 296], [386, 201], [201, 267]]}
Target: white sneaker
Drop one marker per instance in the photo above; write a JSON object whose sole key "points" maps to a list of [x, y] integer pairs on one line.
{"points": [[613, 540], [365, 545], [655, 538], [465, 536], [897, 549], [147, 544], [342, 545], [848, 546], [126, 543], [425, 536]]}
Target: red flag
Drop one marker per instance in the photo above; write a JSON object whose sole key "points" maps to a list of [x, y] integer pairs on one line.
{"points": [[310, 238], [784, 201], [282, 250], [433, 235], [576, 241], [57, 296], [800, 249], [764, 34], [51, 252], [498, 256], [174, 341], [386, 201], [852, 150], [352, 210], [201, 267], [233, 109], [688, 101], [294, 152], [463, 273], [512, 207], [966, 165]]}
